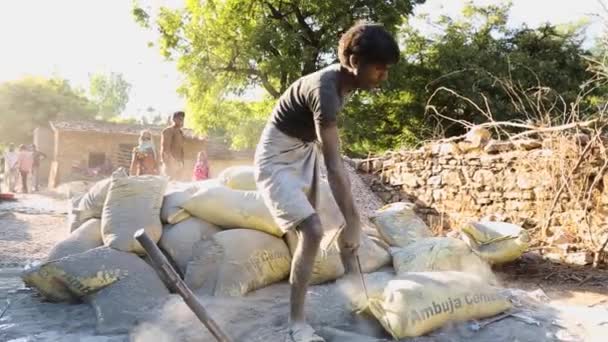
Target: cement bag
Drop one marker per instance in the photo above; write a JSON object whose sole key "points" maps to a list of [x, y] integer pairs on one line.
{"points": [[71, 278], [439, 254], [238, 178], [95, 198], [132, 298], [328, 264], [171, 211], [178, 240], [235, 262], [86, 237], [132, 203], [90, 205], [418, 303], [358, 297], [398, 224], [229, 208], [496, 242]]}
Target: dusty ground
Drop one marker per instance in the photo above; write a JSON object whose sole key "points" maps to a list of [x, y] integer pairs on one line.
{"points": [[577, 307]]}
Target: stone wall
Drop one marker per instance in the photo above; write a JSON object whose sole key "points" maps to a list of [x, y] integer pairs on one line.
{"points": [[512, 183]]}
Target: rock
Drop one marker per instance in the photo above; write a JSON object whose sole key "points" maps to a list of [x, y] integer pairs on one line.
{"points": [[453, 178], [512, 195], [561, 237], [526, 181], [580, 258], [434, 180], [582, 139], [518, 206], [484, 177], [478, 137], [496, 146], [527, 144]]}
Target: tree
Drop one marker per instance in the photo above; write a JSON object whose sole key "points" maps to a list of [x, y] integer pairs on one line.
{"points": [[110, 93], [224, 48], [31, 102]]}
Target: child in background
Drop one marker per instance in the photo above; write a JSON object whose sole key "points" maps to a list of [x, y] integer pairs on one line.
{"points": [[201, 168]]}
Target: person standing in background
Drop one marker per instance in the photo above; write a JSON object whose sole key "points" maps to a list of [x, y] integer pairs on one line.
{"points": [[201, 168], [172, 147], [143, 161], [38, 157], [11, 172], [25, 162]]}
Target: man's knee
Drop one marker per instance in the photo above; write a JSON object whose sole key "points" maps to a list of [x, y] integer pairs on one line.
{"points": [[311, 229]]}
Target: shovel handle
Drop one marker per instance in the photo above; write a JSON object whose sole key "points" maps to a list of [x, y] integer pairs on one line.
{"points": [[173, 281]]}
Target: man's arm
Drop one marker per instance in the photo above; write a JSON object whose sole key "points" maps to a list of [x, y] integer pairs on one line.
{"points": [[165, 145], [340, 183]]}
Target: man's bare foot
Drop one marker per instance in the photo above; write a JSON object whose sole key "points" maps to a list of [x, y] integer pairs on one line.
{"points": [[303, 332]]}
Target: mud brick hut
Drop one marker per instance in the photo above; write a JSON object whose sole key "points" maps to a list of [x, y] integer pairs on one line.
{"points": [[90, 149]]}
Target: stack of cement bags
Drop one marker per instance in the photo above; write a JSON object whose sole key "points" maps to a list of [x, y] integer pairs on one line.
{"points": [[217, 233]]}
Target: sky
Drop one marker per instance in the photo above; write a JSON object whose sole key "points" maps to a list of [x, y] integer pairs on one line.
{"points": [[75, 38]]}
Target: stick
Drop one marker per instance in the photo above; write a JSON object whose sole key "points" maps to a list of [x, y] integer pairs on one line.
{"points": [[172, 279], [564, 185]]}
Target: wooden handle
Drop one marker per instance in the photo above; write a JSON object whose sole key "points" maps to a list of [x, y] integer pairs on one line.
{"points": [[173, 281]]}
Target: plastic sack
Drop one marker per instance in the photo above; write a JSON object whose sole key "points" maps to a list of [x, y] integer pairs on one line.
{"points": [[171, 211], [86, 237], [496, 242], [138, 291], [235, 262], [178, 240], [439, 254], [132, 203], [71, 278], [418, 303], [398, 224], [238, 178], [90, 205], [229, 208]]}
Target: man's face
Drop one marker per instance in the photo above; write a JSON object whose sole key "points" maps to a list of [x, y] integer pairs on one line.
{"points": [[178, 121], [369, 76]]}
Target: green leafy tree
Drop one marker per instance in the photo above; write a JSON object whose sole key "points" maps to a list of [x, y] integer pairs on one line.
{"points": [[31, 102], [110, 93], [225, 48]]}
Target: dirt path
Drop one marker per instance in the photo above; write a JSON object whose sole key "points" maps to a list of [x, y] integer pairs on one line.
{"points": [[576, 308], [30, 228]]}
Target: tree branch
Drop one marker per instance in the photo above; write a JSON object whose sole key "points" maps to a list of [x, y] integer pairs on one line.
{"points": [[251, 72]]}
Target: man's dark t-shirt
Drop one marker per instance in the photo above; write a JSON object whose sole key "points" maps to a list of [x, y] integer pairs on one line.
{"points": [[312, 99]]}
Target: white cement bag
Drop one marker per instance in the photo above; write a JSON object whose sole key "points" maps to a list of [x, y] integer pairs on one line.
{"points": [[328, 264], [418, 303], [132, 203], [178, 240], [496, 242], [171, 211], [75, 276], [90, 205], [238, 178], [86, 237], [229, 208], [398, 224], [137, 293], [235, 262], [439, 254]]}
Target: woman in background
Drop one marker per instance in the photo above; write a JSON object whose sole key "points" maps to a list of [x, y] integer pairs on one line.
{"points": [[144, 161], [201, 168]]}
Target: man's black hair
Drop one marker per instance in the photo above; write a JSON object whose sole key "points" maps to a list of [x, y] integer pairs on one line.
{"points": [[179, 114], [371, 43]]}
